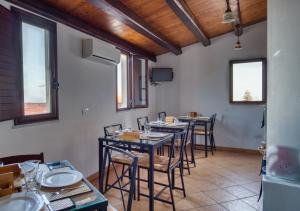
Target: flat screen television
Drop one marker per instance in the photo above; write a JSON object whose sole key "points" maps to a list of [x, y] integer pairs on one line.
{"points": [[161, 74]]}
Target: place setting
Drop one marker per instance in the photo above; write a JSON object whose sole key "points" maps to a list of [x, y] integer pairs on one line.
{"points": [[38, 186]]}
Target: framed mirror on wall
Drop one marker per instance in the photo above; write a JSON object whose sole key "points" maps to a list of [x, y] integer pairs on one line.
{"points": [[248, 81]]}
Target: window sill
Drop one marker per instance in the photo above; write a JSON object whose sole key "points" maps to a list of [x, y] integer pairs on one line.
{"points": [[35, 120]]}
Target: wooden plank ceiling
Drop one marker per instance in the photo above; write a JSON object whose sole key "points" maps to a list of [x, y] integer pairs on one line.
{"points": [[162, 20]]}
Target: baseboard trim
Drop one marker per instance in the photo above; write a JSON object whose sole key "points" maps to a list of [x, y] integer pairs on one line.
{"points": [[232, 149]]}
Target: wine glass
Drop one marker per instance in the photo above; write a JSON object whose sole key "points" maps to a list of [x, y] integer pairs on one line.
{"points": [[147, 129]]}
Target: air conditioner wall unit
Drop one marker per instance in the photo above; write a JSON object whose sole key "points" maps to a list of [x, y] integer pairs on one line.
{"points": [[100, 51]]}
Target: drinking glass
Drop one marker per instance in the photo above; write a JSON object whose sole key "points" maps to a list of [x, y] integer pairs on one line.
{"points": [[147, 129], [39, 179], [30, 169]]}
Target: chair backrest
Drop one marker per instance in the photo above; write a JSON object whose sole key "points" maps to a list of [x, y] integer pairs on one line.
{"points": [[130, 168], [142, 121], [162, 115], [189, 130], [110, 129], [22, 158], [177, 155], [179, 135]]}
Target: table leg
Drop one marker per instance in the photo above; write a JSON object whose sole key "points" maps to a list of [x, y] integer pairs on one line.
{"points": [[193, 147], [151, 179], [101, 174], [205, 139]]}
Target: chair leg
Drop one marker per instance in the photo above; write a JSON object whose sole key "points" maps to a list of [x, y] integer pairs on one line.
{"points": [[173, 178], [213, 138], [211, 145], [171, 191], [187, 160], [107, 177], [138, 184], [123, 168], [193, 153], [182, 182]]}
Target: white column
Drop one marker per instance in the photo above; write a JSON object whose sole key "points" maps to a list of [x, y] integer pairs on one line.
{"points": [[283, 107]]}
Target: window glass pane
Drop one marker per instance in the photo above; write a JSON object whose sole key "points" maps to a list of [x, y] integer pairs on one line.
{"points": [[36, 70], [247, 81], [139, 82], [122, 82]]}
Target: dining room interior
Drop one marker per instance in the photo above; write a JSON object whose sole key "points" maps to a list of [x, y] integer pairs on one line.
{"points": [[149, 105]]}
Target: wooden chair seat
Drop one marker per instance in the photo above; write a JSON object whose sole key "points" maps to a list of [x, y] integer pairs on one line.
{"points": [[126, 160], [200, 132], [160, 162]]}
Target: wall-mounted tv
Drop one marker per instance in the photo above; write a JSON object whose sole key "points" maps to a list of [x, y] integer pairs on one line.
{"points": [[161, 74]]}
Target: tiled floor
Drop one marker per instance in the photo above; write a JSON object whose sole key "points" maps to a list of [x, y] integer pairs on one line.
{"points": [[225, 181]]}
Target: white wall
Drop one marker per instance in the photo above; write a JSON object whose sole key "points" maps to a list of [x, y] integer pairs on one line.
{"points": [[74, 137], [201, 84]]}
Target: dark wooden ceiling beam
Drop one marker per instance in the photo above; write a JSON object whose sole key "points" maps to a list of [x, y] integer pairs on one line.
{"points": [[56, 15], [126, 16], [183, 12]]}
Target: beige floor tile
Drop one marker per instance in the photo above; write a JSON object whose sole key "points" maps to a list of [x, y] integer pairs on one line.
{"points": [[253, 186], [194, 201], [238, 205], [215, 207], [222, 178], [239, 191], [220, 195], [252, 201]]}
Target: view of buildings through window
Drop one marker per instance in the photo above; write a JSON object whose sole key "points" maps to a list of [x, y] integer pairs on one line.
{"points": [[36, 71]]}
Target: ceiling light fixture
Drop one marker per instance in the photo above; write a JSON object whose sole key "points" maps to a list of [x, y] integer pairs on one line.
{"points": [[228, 15], [238, 45]]}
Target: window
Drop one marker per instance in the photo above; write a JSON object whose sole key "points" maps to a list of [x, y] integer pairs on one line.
{"points": [[38, 64], [122, 83], [140, 83], [132, 84], [248, 81]]}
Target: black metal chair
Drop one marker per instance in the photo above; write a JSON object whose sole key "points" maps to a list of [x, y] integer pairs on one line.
{"points": [[142, 121], [113, 156], [22, 158], [109, 130], [188, 141], [167, 165], [162, 115], [210, 133]]}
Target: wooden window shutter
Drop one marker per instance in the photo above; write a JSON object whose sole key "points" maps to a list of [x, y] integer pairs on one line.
{"points": [[10, 73]]}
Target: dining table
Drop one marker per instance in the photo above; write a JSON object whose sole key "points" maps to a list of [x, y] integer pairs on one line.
{"points": [[81, 195], [198, 121], [148, 144]]}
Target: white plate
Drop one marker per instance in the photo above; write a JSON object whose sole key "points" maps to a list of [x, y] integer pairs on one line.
{"points": [[25, 201], [156, 135], [61, 178], [158, 123]]}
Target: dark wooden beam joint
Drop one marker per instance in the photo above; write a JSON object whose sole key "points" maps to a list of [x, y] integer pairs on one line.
{"points": [[126, 16], [49, 12], [182, 11], [237, 26]]}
